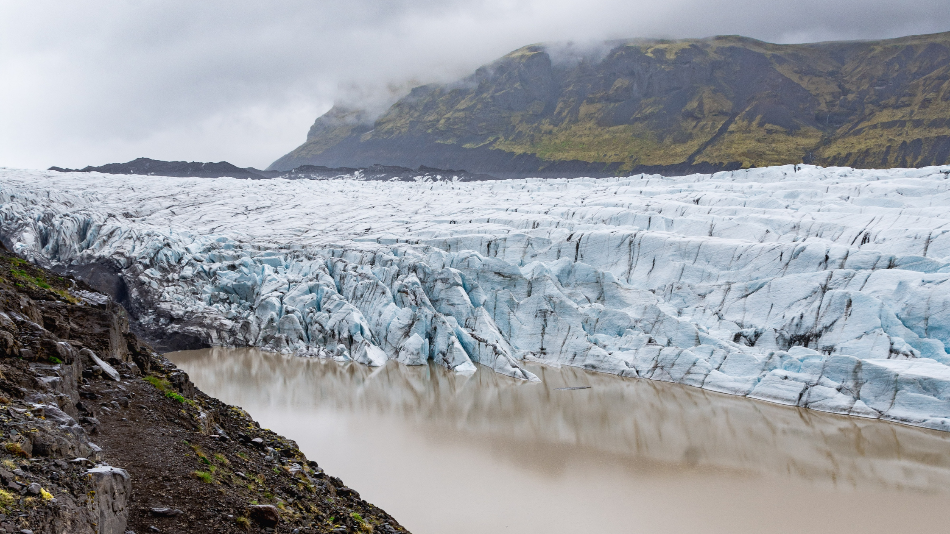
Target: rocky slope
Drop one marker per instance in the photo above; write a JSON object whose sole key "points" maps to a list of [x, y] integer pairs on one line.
{"points": [[822, 288], [670, 107], [166, 457]]}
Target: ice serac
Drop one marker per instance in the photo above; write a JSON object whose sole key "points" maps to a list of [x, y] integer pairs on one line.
{"points": [[825, 288]]}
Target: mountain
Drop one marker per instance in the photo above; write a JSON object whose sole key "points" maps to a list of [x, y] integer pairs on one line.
{"points": [[662, 106], [223, 169], [146, 167]]}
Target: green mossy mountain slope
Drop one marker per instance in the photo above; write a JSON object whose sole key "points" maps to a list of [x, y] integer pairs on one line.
{"points": [[663, 106]]}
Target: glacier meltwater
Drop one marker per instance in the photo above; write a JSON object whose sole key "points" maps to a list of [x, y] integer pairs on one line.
{"points": [[822, 288]]}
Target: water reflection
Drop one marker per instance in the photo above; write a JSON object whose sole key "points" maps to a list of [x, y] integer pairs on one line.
{"points": [[621, 440]]}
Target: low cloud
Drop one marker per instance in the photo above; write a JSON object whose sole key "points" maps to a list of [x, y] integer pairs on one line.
{"points": [[100, 81]]}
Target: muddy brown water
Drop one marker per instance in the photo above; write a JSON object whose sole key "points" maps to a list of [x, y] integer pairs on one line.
{"points": [[446, 453]]}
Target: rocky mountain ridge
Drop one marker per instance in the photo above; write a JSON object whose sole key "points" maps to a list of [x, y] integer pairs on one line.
{"points": [[223, 169], [656, 106], [152, 167]]}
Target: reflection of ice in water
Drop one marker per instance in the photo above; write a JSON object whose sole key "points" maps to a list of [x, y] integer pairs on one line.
{"points": [[607, 443]]}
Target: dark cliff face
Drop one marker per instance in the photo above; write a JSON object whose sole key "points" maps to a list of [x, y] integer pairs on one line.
{"points": [[71, 371], [663, 106]]}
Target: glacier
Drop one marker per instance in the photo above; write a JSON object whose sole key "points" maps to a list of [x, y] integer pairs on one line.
{"points": [[825, 288]]}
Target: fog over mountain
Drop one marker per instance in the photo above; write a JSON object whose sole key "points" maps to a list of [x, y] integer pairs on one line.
{"points": [[669, 106], [104, 81]]}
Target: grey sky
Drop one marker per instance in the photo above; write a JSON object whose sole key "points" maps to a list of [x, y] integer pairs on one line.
{"points": [[98, 81]]}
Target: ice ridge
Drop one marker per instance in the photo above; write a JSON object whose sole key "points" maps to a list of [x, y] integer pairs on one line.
{"points": [[818, 287]]}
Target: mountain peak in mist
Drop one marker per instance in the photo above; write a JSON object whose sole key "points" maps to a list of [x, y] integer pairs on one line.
{"points": [[668, 106]]}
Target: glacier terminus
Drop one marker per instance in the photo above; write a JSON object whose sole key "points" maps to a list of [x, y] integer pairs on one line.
{"points": [[825, 288]]}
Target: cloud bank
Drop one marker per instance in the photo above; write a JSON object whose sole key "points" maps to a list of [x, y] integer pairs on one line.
{"points": [[103, 81]]}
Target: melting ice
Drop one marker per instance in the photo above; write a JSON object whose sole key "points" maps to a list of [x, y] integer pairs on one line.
{"points": [[822, 288]]}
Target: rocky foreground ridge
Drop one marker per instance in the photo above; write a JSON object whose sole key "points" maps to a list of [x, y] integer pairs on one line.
{"points": [[102, 435], [668, 107]]}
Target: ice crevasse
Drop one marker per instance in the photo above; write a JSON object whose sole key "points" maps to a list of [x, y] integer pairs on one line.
{"points": [[824, 288]]}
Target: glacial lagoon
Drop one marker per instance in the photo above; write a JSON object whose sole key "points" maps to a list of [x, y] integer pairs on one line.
{"points": [[485, 453]]}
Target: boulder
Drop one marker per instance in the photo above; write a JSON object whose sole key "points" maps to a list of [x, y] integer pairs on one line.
{"points": [[264, 515], [107, 369], [111, 488]]}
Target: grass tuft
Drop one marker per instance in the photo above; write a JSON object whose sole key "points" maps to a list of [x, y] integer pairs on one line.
{"points": [[16, 449], [25, 277], [165, 387], [176, 396], [160, 383], [363, 525], [7, 499]]}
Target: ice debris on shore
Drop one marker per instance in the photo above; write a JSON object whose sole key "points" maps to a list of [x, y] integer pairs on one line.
{"points": [[822, 288]]}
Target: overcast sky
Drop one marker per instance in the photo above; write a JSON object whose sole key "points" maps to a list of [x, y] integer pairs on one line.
{"points": [[95, 82]]}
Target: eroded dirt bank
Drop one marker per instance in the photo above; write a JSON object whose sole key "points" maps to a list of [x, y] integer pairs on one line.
{"points": [[102, 434]]}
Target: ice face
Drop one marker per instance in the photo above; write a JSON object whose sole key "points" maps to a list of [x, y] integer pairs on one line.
{"points": [[822, 288]]}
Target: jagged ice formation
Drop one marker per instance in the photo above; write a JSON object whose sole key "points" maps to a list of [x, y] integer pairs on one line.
{"points": [[822, 288]]}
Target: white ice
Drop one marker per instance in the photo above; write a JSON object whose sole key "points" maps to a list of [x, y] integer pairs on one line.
{"points": [[822, 288]]}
